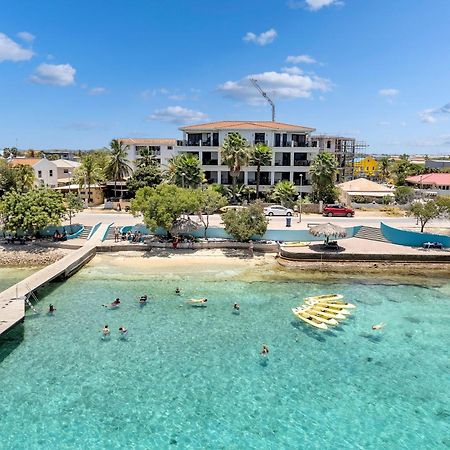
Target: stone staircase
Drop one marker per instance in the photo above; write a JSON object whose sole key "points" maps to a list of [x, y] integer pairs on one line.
{"points": [[371, 233], [110, 235], [85, 233]]}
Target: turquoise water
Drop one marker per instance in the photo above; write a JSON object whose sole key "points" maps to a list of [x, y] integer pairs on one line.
{"points": [[11, 275], [192, 378]]}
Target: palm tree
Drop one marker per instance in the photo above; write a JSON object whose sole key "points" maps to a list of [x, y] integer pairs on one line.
{"points": [[118, 167], [88, 173], [145, 158], [285, 193], [261, 155], [23, 176], [323, 174], [184, 170], [384, 168], [235, 154]]}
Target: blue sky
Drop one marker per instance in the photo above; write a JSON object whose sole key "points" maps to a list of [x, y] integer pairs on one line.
{"points": [[74, 74]]}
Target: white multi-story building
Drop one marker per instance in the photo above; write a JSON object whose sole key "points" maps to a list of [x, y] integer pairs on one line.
{"points": [[293, 150]]}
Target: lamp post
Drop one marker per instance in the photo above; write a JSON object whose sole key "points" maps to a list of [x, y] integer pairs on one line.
{"points": [[301, 198]]}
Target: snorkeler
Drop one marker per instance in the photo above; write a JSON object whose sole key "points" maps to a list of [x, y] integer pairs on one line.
{"points": [[378, 326], [265, 350]]}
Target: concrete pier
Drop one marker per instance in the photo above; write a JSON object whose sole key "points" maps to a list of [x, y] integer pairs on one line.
{"points": [[12, 300]]}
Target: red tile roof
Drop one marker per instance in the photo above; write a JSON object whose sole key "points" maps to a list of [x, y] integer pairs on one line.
{"points": [[153, 141], [247, 125], [435, 179], [24, 161]]}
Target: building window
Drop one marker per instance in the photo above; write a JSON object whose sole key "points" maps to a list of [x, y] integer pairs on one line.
{"points": [[66, 170], [50, 172], [328, 144], [169, 147], [281, 176], [264, 178], [39, 173], [260, 138], [210, 158], [301, 159], [211, 177], [282, 159]]}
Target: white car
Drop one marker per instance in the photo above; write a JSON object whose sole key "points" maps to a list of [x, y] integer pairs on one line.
{"points": [[277, 210]]}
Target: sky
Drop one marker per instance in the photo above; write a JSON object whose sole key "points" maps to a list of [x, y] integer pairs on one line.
{"points": [[76, 74]]}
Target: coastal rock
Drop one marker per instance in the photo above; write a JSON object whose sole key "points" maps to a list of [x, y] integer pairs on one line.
{"points": [[29, 255]]}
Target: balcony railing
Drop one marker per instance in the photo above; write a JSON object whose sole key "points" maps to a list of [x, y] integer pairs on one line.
{"points": [[260, 141], [302, 163], [197, 143], [211, 162], [293, 144]]}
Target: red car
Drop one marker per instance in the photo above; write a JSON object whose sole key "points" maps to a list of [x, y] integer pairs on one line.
{"points": [[338, 210]]}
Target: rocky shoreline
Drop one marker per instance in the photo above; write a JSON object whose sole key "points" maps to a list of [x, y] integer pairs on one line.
{"points": [[29, 255]]}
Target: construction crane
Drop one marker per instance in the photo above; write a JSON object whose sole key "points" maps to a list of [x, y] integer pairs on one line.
{"points": [[272, 104]]}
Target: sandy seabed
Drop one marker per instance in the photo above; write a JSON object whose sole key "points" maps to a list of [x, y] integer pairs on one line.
{"points": [[238, 264]]}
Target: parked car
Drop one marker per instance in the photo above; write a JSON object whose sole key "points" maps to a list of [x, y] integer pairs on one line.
{"points": [[338, 210], [277, 210], [231, 207]]}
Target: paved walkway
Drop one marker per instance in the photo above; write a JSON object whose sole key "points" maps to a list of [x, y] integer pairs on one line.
{"points": [[12, 300]]}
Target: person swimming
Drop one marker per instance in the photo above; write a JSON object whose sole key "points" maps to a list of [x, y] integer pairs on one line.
{"points": [[106, 332], [236, 307], [51, 309], [114, 304], [178, 291], [264, 350], [378, 326], [143, 299], [123, 332]]}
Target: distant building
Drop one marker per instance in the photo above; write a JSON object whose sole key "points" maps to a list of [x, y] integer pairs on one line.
{"points": [[431, 183], [437, 163], [363, 187], [367, 167], [96, 193]]}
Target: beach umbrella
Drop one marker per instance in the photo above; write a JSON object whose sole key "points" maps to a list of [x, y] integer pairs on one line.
{"points": [[183, 225], [328, 230]]}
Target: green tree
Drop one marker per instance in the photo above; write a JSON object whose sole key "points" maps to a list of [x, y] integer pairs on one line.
{"points": [[162, 205], [208, 202], [384, 165], [32, 210], [425, 211], [245, 223], [323, 175], [185, 171], [88, 174], [145, 158], [400, 170], [23, 176], [6, 177], [74, 204], [235, 153], [148, 175], [118, 167], [285, 193], [261, 155], [403, 194]]}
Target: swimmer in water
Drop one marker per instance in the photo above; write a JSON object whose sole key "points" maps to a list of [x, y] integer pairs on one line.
{"points": [[114, 304], [106, 331], [143, 299], [236, 307], [178, 291], [51, 309], [123, 332], [265, 350], [378, 326]]}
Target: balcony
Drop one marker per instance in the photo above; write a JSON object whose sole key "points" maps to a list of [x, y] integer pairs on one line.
{"points": [[195, 143], [302, 163], [260, 141]]}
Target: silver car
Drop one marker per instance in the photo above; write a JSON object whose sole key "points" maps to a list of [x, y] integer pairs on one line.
{"points": [[278, 210]]}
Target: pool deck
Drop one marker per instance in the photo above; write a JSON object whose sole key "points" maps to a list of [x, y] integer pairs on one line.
{"points": [[12, 300]]}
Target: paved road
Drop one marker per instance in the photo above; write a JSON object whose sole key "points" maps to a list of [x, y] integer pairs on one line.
{"points": [[93, 216]]}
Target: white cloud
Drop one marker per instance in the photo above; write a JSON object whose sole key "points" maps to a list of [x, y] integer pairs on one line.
{"points": [[313, 5], [432, 115], [389, 92], [384, 123], [176, 97], [56, 74], [97, 91], [264, 38], [25, 36], [178, 115], [292, 70], [12, 51], [305, 59], [276, 84]]}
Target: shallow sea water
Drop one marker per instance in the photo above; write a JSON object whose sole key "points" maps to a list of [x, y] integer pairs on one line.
{"points": [[11, 275], [192, 378]]}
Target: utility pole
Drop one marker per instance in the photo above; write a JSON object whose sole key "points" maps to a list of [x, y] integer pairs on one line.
{"points": [[271, 103]]}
